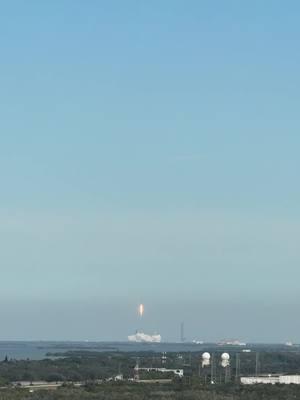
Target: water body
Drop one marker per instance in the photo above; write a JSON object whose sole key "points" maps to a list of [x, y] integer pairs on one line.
{"points": [[39, 350]]}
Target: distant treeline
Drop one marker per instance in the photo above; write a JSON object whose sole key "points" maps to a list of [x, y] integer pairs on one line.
{"points": [[92, 365]]}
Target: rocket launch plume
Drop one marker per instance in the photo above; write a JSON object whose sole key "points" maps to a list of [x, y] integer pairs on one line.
{"points": [[140, 336], [141, 310]]}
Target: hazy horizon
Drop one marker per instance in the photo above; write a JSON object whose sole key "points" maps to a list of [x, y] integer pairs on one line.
{"points": [[149, 152]]}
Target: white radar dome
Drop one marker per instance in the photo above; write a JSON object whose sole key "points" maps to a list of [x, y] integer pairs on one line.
{"points": [[225, 356], [206, 356]]}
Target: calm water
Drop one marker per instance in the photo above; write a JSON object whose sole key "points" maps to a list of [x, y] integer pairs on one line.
{"points": [[39, 350]]}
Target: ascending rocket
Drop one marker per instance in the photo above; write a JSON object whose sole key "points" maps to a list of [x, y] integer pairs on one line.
{"points": [[141, 310]]}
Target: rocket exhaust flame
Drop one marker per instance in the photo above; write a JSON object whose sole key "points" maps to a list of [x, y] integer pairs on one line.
{"points": [[141, 310]]}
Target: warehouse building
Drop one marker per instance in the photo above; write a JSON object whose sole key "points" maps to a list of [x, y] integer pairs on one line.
{"points": [[271, 380]]}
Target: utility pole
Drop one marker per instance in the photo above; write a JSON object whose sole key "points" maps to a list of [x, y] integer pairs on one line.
{"points": [[212, 369], [136, 370], [237, 367], [257, 364]]}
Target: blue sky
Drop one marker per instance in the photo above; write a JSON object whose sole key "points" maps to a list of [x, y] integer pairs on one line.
{"points": [[149, 151]]}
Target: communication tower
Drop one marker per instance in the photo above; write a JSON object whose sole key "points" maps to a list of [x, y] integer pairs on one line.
{"points": [[182, 338], [136, 374]]}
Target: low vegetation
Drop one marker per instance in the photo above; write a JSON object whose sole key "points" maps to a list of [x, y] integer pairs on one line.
{"points": [[95, 372]]}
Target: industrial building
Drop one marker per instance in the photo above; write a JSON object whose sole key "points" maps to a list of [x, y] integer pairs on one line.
{"points": [[271, 380], [177, 372]]}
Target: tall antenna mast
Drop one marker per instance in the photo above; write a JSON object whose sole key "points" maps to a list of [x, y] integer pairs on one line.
{"points": [[237, 367], [212, 369], [136, 370], [256, 364], [182, 338]]}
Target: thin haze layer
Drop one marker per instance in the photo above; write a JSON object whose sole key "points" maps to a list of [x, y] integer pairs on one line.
{"points": [[149, 153]]}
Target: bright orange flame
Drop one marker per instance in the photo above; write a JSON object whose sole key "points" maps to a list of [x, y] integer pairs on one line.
{"points": [[141, 310]]}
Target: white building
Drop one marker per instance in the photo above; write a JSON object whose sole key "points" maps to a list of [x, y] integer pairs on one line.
{"points": [[288, 379], [271, 380], [177, 372]]}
